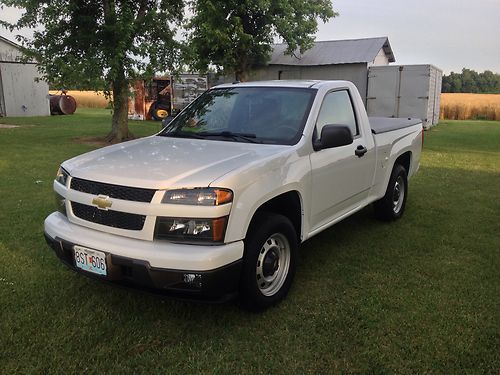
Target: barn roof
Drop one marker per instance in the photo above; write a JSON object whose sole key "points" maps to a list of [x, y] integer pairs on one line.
{"points": [[12, 52], [332, 52], [15, 45]]}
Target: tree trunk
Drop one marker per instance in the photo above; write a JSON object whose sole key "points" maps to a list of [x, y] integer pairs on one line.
{"points": [[241, 75], [119, 123]]}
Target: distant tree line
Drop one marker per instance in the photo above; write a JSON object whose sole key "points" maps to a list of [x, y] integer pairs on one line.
{"points": [[469, 80]]}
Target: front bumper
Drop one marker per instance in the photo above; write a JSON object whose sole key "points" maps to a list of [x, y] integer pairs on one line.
{"points": [[201, 281]]}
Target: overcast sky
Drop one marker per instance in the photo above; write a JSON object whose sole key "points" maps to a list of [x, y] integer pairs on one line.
{"points": [[450, 34]]}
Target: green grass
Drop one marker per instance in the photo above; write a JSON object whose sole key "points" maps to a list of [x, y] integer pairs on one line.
{"points": [[418, 295]]}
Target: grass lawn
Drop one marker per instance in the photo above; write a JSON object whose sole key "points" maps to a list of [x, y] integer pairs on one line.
{"points": [[419, 295]]}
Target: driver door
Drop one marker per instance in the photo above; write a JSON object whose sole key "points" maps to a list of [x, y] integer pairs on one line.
{"points": [[340, 179]]}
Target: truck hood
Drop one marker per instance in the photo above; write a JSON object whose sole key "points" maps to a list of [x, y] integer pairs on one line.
{"points": [[162, 162]]}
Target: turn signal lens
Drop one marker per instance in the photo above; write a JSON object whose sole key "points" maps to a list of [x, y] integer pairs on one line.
{"points": [[200, 197], [223, 196]]}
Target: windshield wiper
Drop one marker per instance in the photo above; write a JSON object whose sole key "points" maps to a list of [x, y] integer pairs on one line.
{"points": [[181, 134], [247, 137]]}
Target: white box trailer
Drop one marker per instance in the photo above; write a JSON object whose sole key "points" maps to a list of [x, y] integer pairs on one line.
{"points": [[405, 91]]}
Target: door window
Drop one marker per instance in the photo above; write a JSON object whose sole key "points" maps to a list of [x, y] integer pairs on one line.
{"points": [[337, 109]]}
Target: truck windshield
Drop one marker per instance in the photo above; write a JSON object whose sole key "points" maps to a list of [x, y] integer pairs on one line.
{"points": [[274, 115]]}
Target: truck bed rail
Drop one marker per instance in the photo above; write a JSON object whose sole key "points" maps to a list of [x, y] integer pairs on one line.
{"points": [[384, 124]]}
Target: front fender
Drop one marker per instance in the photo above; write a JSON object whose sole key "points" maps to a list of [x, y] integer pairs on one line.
{"points": [[260, 183]]}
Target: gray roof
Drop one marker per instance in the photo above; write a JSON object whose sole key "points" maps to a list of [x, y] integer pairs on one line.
{"points": [[332, 52], [13, 44]]}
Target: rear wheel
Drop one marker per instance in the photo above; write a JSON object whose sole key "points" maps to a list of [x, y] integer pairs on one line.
{"points": [[392, 205], [269, 262]]}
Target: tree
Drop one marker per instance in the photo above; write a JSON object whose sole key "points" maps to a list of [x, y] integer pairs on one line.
{"points": [[472, 82], [101, 44], [236, 35]]}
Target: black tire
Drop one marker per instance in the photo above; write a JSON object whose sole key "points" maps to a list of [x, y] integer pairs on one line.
{"points": [[156, 109], [392, 206], [269, 262]]}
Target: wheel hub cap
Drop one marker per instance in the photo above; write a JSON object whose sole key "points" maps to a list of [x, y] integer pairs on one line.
{"points": [[161, 113], [273, 263], [398, 195]]}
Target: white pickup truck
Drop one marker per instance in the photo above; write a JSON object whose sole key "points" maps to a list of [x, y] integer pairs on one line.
{"points": [[216, 204]]}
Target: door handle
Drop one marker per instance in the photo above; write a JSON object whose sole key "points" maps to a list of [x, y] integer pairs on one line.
{"points": [[360, 151]]}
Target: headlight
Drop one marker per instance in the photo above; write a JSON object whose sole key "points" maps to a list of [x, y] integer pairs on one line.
{"points": [[191, 230], [62, 176], [200, 196]]}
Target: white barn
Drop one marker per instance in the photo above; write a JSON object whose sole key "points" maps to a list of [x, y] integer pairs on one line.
{"points": [[21, 91]]}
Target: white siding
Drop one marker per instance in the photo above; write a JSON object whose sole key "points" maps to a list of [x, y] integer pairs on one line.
{"points": [[22, 95], [356, 73], [380, 59], [8, 52]]}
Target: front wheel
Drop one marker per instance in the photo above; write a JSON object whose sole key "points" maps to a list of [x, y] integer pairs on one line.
{"points": [[269, 262], [392, 205]]}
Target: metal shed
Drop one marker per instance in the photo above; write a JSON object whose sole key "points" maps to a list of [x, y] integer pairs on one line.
{"points": [[22, 93], [333, 59]]}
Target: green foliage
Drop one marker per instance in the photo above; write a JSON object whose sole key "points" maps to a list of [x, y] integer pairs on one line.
{"points": [[235, 35], [472, 82], [85, 44]]}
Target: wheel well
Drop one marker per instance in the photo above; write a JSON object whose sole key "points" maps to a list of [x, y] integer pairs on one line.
{"points": [[404, 160], [286, 204]]}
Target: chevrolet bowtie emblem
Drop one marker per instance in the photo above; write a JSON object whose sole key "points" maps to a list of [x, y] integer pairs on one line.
{"points": [[102, 202]]}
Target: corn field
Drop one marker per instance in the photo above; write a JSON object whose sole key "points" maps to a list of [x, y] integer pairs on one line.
{"points": [[87, 99], [459, 106]]}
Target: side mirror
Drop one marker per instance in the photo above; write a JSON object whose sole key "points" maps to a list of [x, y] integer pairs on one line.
{"points": [[333, 136]]}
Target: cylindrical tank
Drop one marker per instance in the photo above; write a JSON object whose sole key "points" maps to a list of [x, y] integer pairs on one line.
{"points": [[62, 105]]}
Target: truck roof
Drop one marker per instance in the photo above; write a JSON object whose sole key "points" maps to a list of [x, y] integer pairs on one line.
{"points": [[281, 83]]}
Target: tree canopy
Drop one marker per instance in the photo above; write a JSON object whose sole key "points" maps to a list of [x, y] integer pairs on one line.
{"points": [[94, 44], [236, 35], [90, 44], [471, 81]]}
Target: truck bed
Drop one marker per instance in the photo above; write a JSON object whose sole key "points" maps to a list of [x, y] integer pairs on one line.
{"points": [[385, 124]]}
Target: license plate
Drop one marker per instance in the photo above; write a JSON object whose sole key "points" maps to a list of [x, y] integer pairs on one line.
{"points": [[90, 260]]}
